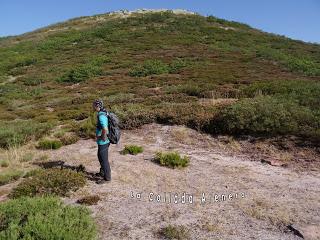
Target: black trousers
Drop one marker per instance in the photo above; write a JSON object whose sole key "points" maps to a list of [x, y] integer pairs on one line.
{"points": [[104, 161]]}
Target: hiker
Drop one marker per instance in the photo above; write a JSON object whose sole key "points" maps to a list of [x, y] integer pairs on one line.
{"points": [[102, 140]]}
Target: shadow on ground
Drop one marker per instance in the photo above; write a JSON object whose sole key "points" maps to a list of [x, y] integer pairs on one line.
{"points": [[61, 164]]}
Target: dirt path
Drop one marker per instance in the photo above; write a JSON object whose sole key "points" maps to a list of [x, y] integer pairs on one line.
{"points": [[264, 198]]}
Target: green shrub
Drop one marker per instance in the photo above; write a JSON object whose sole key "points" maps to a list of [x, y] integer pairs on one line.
{"points": [[171, 159], [14, 133], [81, 74], [175, 232], [268, 116], [9, 176], [132, 149], [89, 200], [150, 67], [44, 218], [85, 71], [176, 65], [50, 181], [306, 93], [49, 144], [300, 64]]}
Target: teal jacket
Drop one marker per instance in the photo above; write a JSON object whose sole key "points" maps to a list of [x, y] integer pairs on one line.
{"points": [[102, 122]]}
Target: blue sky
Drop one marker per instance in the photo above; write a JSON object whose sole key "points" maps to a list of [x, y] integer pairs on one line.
{"points": [[297, 19]]}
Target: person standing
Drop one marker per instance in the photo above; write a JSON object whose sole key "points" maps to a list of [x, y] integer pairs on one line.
{"points": [[102, 141]]}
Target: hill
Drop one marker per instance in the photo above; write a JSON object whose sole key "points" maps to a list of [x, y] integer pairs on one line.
{"points": [[252, 99], [171, 67]]}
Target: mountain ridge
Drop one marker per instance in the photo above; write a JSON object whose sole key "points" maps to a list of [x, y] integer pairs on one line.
{"points": [[127, 13]]}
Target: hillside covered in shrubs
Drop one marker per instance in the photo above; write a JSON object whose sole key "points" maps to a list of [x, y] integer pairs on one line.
{"points": [[207, 73]]}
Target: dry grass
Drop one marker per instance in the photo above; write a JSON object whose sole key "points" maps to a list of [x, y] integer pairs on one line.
{"points": [[181, 135], [263, 209], [212, 227], [17, 156], [284, 156], [13, 155]]}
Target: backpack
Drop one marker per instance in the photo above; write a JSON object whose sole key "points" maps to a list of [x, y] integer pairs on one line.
{"points": [[113, 127]]}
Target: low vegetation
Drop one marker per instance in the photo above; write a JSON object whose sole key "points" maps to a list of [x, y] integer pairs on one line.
{"points": [[84, 72], [294, 63], [14, 133], [274, 109], [261, 209], [86, 129], [40, 218], [27, 157], [158, 67], [9, 175], [175, 232], [69, 138], [171, 159], [132, 149], [4, 163], [49, 144], [49, 182]]}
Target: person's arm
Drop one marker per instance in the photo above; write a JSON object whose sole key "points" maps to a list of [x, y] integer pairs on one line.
{"points": [[104, 133]]}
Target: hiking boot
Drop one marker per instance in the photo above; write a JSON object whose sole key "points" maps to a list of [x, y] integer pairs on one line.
{"points": [[100, 174]]}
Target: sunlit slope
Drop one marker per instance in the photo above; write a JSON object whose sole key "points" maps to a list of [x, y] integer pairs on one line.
{"points": [[180, 68]]}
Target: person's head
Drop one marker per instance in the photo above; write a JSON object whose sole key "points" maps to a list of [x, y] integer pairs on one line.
{"points": [[97, 105]]}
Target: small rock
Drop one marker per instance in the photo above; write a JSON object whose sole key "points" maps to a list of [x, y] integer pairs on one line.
{"points": [[49, 109]]}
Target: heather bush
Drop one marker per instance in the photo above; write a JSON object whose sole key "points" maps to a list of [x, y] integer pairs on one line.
{"points": [[44, 218], [132, 149], [171, 159], [49, 182]]}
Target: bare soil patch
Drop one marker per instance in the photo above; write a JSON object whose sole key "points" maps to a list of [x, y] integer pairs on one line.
{"points": [[245, 199]]}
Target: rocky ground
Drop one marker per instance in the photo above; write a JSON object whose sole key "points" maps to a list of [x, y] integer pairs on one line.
{"points": [[244, 197]]}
